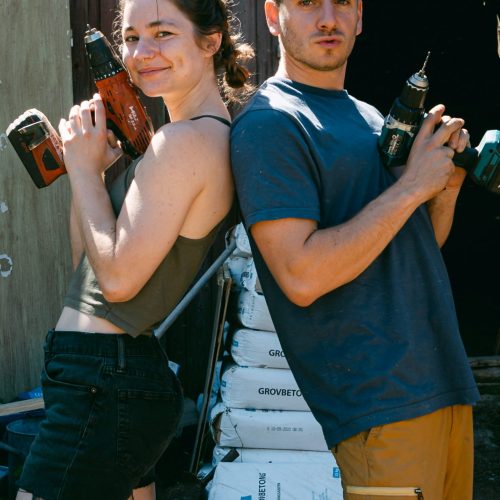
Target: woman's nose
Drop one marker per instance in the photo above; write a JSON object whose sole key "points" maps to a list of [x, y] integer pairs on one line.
{"points": [[145, 48]]}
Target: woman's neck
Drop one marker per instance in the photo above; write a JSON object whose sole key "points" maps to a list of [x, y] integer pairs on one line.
{"points": [[202, 99]]}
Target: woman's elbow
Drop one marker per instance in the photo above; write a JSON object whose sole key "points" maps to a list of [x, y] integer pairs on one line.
{"points": [[117, 291]]}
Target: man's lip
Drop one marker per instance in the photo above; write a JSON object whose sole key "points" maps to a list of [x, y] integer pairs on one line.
{"points": [[328, 40]]}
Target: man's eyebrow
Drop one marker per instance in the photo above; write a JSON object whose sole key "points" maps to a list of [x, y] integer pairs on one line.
{"points": [[154, 24]]}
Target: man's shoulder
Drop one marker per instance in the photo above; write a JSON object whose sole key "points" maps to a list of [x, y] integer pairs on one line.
{"points": [[273, 101], [366, 109]]}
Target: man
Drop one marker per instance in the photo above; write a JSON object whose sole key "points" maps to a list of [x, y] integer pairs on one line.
{"points": [[348, 257]]}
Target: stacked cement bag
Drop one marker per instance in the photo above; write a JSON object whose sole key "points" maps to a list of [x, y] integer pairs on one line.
{"points": [[261, 411], [275, 481]]}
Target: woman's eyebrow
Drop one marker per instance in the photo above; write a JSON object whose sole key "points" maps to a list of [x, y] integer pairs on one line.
{"points": [[161, 22], [154, 24]]}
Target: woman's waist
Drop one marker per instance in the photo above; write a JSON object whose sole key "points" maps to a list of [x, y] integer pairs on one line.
{"points": [[108, 347], [79, 321]]}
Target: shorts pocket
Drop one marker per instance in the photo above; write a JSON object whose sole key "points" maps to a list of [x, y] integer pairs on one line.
{"points": [[371, 434], [147, 421]]}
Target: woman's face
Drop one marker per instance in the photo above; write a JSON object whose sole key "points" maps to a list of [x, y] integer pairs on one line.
{"points": [[160, 49]]}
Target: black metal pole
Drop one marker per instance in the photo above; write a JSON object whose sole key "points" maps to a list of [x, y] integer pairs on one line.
{"points": [[169, 320]]}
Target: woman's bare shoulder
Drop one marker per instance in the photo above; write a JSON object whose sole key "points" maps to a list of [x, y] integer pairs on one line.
{"points": [[187, 151], [206, 134], [191, 146]]}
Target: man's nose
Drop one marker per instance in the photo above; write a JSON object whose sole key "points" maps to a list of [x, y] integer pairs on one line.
{"points": [[328, 17]]}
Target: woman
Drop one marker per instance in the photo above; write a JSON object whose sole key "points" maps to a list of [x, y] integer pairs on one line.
{"points": [[112, 404]]}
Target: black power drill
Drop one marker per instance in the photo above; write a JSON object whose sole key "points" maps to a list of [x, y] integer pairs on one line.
{"points": [[403, 123]]}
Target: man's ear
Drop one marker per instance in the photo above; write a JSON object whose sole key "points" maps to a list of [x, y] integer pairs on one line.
{"points": [[272, 17], [211, 43], [359, 27]]}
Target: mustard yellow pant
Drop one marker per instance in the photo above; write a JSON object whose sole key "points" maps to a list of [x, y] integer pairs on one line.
{"points": [[429, 457]]}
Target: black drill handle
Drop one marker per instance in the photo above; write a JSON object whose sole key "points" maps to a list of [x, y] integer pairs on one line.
{"points": [[467, 159]]}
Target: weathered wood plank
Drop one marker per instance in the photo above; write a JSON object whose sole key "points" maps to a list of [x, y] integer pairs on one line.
{"points": [[484, 361], [34, 250], [21, 406], [255, 32], [267, 46]]}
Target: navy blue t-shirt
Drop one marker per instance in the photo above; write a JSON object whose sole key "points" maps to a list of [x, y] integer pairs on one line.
{"points": [[386, 346]]}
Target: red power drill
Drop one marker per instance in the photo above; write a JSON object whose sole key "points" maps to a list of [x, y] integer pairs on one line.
{"points": [[39, 146]]}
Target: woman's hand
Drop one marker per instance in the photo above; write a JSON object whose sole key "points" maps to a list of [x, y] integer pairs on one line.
{"points": [[87, 145]]}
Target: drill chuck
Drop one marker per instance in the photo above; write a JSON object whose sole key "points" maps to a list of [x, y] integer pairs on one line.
{"points": [[416, 88], [103, 60], [404, 119], [125, 115]]}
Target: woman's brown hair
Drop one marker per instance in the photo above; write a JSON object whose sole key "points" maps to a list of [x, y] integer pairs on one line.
{"points": [[209, 17]]}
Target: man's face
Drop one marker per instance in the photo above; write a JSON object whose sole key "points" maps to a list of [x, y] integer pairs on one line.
{"points": [[318, 34]]}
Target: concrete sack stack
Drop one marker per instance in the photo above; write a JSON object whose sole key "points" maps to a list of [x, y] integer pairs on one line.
{"points": [[261, 412]]}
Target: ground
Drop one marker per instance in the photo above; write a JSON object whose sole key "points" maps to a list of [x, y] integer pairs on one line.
{"points": [[487, 448]]}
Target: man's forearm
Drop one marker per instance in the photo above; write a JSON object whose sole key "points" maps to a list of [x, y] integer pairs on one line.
{"points": [[442, 210]]}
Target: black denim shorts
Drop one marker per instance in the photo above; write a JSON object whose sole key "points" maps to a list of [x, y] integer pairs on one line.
{"points": [[112, 406]]}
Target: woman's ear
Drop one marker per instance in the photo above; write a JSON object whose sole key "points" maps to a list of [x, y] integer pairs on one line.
{"points": [[211, 43]]}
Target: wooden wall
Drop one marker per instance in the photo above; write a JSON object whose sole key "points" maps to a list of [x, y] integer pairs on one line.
{"points": [[254, 28], [34, 252]]}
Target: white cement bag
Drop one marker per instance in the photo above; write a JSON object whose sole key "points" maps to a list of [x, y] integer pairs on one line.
{"points": [[244, 273], [261, 388], [249, 278], [252, 311], [242, 243], [269, 429], [240, 481], [251, 455], [257, 348], [237, 266]]}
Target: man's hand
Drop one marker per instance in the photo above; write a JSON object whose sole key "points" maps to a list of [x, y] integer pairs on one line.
{"points": [[430, 168], [442, 206], [459, 140]]}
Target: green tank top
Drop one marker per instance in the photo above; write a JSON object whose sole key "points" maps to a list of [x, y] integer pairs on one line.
{"points": [[159, 295]]}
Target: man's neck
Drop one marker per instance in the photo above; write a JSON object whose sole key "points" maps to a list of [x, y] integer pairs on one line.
{"points": [[328, 80]]}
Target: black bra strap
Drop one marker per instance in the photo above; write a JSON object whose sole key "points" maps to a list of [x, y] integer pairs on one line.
{"points": [[218, 118]]}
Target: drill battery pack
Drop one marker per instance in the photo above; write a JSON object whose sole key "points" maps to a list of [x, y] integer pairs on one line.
{"points": [[487, 170], [38, 146]]}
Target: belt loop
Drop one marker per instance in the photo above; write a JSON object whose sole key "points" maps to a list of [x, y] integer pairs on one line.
{"points": [[48, 340], [121, 360]]}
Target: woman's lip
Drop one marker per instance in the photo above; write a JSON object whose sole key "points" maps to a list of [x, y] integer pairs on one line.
{"points": [[147, 71]]}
